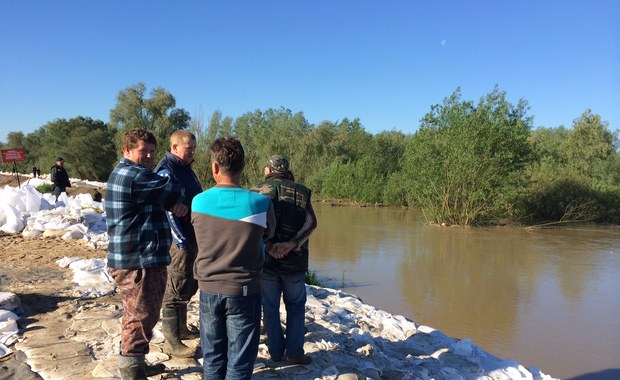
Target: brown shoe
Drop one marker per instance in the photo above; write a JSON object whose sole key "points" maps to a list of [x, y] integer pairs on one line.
{"points": [[303, 360]]}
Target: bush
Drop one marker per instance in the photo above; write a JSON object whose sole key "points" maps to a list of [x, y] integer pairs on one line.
{"points": [[45, 188], [465, 163], [312, 279], [569, 199]]}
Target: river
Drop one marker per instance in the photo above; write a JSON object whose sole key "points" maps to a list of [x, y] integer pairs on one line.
{"points": [[548, 298]]}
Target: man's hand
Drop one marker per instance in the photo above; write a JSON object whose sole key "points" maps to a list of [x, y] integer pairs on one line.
{"points": [[280, 250], [179, 209]]}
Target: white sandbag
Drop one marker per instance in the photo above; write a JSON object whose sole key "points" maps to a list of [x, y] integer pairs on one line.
{"points": [[66, 261], [72, 235], [91, 217], [45, 204], [79, 227], [29, 232], [9, 301], [32, 198], [5, 351], [53, 233], [12, 196], [8, 327], [12, 219], [84, 200]]}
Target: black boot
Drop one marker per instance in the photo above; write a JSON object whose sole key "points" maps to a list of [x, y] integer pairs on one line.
{"points": [[132, 367], [186, 333], [171, 331]]}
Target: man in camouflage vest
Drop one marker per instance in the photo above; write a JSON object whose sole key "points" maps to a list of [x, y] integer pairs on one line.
{"points": [[286, 262]]}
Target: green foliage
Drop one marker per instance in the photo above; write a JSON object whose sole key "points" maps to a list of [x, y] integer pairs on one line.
{"points": [[574, 176], [561, 199], [312, 279], [465, 162], [156, 114], [358, 181], [590, 148], [87, 146], [45, 188]]}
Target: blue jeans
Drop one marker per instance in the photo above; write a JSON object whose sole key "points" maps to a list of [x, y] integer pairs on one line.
{"points": [[293, 289], [229, 335], [57, 191]]}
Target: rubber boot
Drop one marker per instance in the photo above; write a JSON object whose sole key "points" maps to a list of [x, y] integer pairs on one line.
{"points": [[171, 331], [186, 333], [132, 367]]}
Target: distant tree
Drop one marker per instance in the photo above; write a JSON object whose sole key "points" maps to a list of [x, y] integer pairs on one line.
{"points": [[574, 175], [205, 136], [365, 178], [466, 161], [274, 131], [15, 140], [591, 147], [156, 114], [87, 146]]}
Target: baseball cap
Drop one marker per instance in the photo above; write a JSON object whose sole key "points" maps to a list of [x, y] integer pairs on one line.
{"points": [[277, 163]]}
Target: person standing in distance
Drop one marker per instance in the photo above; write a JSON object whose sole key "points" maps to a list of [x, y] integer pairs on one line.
{"points": [[286, 264], [181, 285], [60, 177], [231, 225], [136, 200]]}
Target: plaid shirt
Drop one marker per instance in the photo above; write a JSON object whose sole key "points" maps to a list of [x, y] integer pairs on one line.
{"points": [[135, 204]]}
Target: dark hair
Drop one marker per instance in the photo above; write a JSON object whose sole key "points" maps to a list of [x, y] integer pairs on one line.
{"points": [[229, 155], [132, 136]]}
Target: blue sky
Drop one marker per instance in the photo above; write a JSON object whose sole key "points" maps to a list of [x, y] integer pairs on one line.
{"points": [[385, 62]]}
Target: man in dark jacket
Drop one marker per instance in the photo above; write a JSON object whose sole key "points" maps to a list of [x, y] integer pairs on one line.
{"points": [[181, 285], [60, 177], [286, 264]]}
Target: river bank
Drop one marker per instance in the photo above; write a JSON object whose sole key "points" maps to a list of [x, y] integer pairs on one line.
{"points": [[64, 336], [66, 333]]}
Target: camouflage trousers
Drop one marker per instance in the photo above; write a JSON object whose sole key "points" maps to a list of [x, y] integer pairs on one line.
{"points": [[181, 285], [142, 291]]}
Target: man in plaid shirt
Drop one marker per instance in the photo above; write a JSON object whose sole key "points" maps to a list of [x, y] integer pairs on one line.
{"points": [[136, 200]]}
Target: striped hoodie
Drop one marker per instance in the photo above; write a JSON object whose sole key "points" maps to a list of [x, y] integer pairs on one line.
{"points": [[231, 225]]}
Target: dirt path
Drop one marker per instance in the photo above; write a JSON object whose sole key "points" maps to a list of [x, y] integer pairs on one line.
{"points": [[28, 268]]}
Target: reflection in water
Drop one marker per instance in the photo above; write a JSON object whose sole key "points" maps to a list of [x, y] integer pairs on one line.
{"points": [[545, 297]]}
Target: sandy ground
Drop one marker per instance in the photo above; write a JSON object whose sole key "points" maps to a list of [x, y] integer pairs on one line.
{"points": [[28, 268]]}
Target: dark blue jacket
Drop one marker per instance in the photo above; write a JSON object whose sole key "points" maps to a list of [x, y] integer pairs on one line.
{"points": [[172, 166]]}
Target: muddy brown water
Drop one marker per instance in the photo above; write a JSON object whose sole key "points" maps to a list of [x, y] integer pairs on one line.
{"points": [[548, 298]]}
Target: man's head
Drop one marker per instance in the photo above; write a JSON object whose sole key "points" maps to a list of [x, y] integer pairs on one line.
{"points": [[276, 164], [60, 161], [227, 153], [139, 146], [183, 145]]}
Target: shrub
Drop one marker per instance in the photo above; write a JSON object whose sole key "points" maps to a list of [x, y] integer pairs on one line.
{"points": [[312, 279], [45, 188]]}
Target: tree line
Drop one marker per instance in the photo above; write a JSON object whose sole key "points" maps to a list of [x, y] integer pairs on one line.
{"points": [[469, 163]]}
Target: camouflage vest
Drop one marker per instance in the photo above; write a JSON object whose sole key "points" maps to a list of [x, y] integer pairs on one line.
{"points": [[290, 201]]}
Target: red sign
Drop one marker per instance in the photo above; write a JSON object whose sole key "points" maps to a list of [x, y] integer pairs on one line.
{"points": [[12, 155]]}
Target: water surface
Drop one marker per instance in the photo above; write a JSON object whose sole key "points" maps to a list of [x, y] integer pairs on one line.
{"points": [[548, 298]]}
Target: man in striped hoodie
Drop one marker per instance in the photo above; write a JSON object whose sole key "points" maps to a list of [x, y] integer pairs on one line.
{"points": [[231, 225]]}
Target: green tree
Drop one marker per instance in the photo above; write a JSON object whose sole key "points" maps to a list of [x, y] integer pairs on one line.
{"points": [[156, 114], [590, 148], [274, 131], [574, 176], [87, 146], [465, 163], [218, 126]]}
